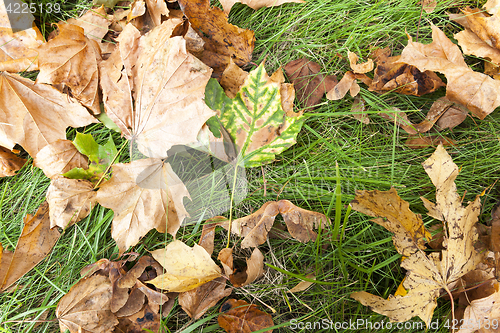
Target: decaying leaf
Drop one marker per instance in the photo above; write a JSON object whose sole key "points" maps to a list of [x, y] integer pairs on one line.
{"points": [[34, 244], [146, 320], [349, 84], [59, 157], [85, 308], [232, 79], [427, 274], [186, 267], [237, 316], [153, 89], [309, 84], [223, 41], [476, 91], [358, 110], [142, 193], [9, 163], [301, 222], [255, 118], [197, 301], [242, 276], [35, 115]]}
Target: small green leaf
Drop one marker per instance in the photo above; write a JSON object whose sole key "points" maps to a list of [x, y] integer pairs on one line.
{"points": [[255, 118], [100, 157], [104, 118]]}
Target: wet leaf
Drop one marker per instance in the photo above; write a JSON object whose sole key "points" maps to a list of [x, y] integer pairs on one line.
{"points": [[237, 316]]}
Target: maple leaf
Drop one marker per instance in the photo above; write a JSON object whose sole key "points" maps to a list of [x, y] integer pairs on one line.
{"points": [[142, 194], [95, 23], [9, 163], [427, 274], [186, 267], [255, 4], [197, 301], [59, 157], [476, 91], [153, 89], [237, 316], [36, 242], [255, 118], [223, 41], [35, 115]]}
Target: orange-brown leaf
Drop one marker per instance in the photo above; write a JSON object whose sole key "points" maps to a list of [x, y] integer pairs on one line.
{"points": [[9, 163], [237, 316]]}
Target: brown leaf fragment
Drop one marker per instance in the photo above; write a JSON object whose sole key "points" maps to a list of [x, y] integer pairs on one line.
{"points": [[85, 308], [483, 308], [301, 222], [421, 142], [130, 278], [492, 70], [237, 316], [400, 118], [138, 8], [197, 301], [119, 295], [134, 303], [34, 244], [70, 201], [358, 108], [223, 41], [232, 79], [344, 85], [484, 26], [303, 285], [194, 43], [472, 44], [59, 157], [207, 237], [476, 91], [253, 270], [453, 116], [157, 9], [146, 320], [226, 259], [95, 23], [359, 68], [9, 163], [310, 85]]}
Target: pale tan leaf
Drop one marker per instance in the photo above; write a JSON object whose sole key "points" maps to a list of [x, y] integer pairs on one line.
{"points": [[232, 79], [341, 88], [142, 194], [483, 310], [95, 23], [303, 285], [226, 259], [36, 115], [186, 267], [492, 6], [59, 157], [197, 301], [70, 200], [157, 9], [472, 44], [255, 4]]}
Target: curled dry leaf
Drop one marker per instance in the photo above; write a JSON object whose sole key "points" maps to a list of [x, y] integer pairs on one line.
{"points": [[157, 9], [301, 222], [71, 59], [197, 301], [255, 4], [36, 115], [223, 41], [9, 163], [309, 84], [59, 157], [207, 236], [348, 83], [142, 194], [186, 267], [359, 68], [85, 308], [476, 91], [427, 274], [242, 276], [237, 316], [153, 89], [34, 244]]}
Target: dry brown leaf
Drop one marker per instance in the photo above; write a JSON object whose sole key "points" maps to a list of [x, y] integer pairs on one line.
{"points": [[207, 236], [70, 200], [492, 6], [452, 117], [301, 222], [226, 259], [9, 163], [157, 9], [476, 91], [197, 301], [492, 70], [253, 270], [130, 278], [154, 89], [142, 194], [34, 244], [237, 316], [138, 8], [146, 320], [359, 68], [310, 85], [420, 142], [303, 285], [223, 41], [85, 308], [95, 23], [427, 274], [347, 84], [472, 44], [255, 4], [486, 27], [186, 268], [59, 157], [135, 300], [36, 115]]}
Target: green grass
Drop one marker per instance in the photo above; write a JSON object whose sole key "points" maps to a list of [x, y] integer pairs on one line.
{"points": [[369, 157]]}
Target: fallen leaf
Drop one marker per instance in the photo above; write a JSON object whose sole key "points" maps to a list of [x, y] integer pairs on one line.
{"points": [[9, 163], [36, 115], [157, 9], [34, 244], [484, 26], [420, 142], [186, 267], [476, 91], [95, 23], [197, 301], [427, 274], [59, 157], [138, 8], [492, 6], [473, 45], [255, 118], [142, 194], [232, 79], [254, 270], [145, 320], [310, 85], [255, 4], [223, 41], [492, 70], [130, 278], [359, 68], [452, 117], [207, 236], [237, 316], [483, 308], [85, 308], [349, 84], [303, 285], [301, 222], [153, 90]]}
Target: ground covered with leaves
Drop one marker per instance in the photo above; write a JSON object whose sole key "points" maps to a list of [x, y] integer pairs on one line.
{"points": [[309, 166]]}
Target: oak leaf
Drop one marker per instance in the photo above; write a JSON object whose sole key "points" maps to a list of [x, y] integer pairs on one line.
{"points": [[186, 267], [35, 115], [9, 163], [143, 194], [197, 301], [59, 157], [427, 274], [237, 316], [255, 4], [153, 89]]}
